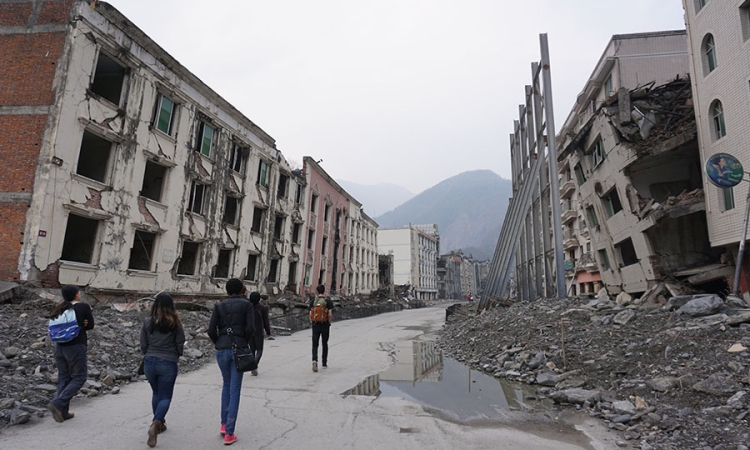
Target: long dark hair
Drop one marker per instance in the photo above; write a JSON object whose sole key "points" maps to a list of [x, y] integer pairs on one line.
{"points": [[164, 316], [69, 294]]}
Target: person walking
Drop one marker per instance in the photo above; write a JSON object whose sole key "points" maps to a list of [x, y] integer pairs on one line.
{"points": [[261, 323], [234, 315], [162, 343], [70, 357], [321, 317]]}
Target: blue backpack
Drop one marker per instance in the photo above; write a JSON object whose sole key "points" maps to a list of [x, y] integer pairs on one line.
{"points": [[64, 328]]}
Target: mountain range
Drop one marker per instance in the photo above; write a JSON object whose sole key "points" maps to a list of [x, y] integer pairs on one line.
{"points": [[468, 208], [377, 199]]}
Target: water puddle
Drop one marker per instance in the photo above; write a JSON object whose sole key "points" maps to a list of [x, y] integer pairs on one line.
{"points": [[423, 375]]}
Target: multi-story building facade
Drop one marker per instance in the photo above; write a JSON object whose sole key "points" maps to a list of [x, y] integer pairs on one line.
{"points": [[719, 47], [127, 173], [629, 145], [415, 250], [340, 239], [449, 277]]}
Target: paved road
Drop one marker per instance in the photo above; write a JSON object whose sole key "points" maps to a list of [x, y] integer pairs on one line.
{"points": [[288, 406]]}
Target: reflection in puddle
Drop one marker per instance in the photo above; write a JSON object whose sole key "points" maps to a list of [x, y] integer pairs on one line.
{"points": [[421, 374]]}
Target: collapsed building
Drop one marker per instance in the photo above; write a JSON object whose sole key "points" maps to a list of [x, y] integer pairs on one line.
{"points": [[632, 150]]}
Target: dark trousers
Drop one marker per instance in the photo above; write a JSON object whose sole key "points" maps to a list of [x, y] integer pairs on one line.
{"points": [[320, 330], [71, 374], [257, 347]]}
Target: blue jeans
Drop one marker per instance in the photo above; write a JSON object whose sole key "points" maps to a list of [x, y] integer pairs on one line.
{"points": [[161, 375], [230, 389], [71, 374]]}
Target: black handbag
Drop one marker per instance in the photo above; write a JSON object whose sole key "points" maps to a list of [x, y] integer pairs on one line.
{"points": [[244, 357]]}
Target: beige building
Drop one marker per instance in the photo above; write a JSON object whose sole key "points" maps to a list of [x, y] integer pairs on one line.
{"points": [[629, 147], [719, 44], [415, 251], [148, 180]]}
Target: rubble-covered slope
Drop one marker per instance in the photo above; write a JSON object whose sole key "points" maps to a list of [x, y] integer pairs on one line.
{"points": [[664, 379]]}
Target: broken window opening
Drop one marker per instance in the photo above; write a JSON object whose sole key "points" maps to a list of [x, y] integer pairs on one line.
{"points": [[165, 114], [251, 272], [263, 174], [612, 202], [188, 258], [579, 174], [327, 212], [314, 203], [223, 264], [626, 252], [278, 228], [597, 153], [257, 219], [231, 210], [142, 251], [296, 233], [322, 277], [205, 143], [80, 239], [94, 156], [310, 240], [283, 185], [197, 197], [238, 159], [604, 259], [300, 194], [745, 20], [273, 271], [717, 115], [292, 272], [308, 269], [325, 245], [153, 181], [109, 79], [727, 195]]}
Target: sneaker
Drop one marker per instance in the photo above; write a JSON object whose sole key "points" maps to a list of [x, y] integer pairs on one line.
{"points": [[325, 366], [223, 430], [315, 366], [230, 439], [254, 373], [58, 415]]}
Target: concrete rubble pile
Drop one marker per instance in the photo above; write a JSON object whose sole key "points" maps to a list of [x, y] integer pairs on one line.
{"points": [[675, 376]]}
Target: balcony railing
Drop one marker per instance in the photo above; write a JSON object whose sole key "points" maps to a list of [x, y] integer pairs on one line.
{"points": [[568, 216], [568, 189]]}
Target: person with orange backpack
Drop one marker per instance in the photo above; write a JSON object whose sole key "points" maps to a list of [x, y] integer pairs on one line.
{"points": [[321, 316]]}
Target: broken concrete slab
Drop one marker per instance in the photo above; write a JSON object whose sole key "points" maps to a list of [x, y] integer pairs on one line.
{"points": [[7, 290], [576, 396], [702, 306], [624, 317]]}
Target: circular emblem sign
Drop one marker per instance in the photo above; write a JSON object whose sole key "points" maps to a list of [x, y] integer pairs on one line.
{"points": [[724, 170], [569, 264]]}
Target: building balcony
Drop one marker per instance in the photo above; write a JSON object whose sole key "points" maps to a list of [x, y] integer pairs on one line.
{"points": [[567, 189], [570, 243], [587, 262], [568, 215]]}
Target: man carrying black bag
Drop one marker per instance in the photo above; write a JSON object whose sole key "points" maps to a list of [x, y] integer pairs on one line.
{"points": [[231, 327]]}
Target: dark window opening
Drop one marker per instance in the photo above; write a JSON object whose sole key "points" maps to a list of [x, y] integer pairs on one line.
{"points": [[142, 251], [109, 78], [273, 271], [314, 203], [278, 227], [93, 158], [327, 212], [626, 251], [197, 197], [579, 174], [153, 181], [80, 239], [612, 203], [604, 259], [231, 210], [322, 277], [310, 236], [283, 185], [238, 159], [300, 192], [325, 245], [251, 271], [188, 259], [293, 272], [296, 232], [257, 220], [222, 265]]}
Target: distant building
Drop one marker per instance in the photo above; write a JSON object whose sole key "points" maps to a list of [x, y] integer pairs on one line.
{"points": [[415, 252]]}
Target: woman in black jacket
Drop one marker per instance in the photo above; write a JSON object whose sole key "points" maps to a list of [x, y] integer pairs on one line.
{"points": [[236, 314], [162, 341]]}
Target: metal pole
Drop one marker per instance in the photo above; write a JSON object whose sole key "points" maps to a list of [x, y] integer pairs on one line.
{"points": [[741, 253], [554, 182]]}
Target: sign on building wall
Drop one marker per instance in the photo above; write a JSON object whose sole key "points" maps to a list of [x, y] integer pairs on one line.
{"points": [[724, 170]]}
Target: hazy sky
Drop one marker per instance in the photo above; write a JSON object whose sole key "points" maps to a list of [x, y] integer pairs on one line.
{"points": [[409, 92]]}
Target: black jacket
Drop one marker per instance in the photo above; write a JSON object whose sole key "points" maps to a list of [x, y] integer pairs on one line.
{"points": [[239, 315]]}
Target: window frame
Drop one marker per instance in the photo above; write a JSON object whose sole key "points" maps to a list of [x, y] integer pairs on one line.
{"points": [[202, 138], [251, 275], [708, 54], [149, 254], [191, 201], [598, 149], [718, 121], [263, 175], [238, 157], [158, 115], [727, 197], [604, 259], [257, 224], [196, 261]]}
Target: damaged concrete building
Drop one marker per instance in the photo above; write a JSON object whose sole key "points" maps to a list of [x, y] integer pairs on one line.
{"points": [[340, 239], [415, 250], [128, 173], [631, 146]]}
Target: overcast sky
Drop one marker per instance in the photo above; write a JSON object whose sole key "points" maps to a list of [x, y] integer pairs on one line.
{"points": [[408, 92]]}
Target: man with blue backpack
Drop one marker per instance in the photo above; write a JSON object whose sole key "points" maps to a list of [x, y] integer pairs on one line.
{"points": [[321, 316], [68, 323]]}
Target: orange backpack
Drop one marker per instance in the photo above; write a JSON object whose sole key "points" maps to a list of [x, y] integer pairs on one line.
{"points": [[319, 310]]}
